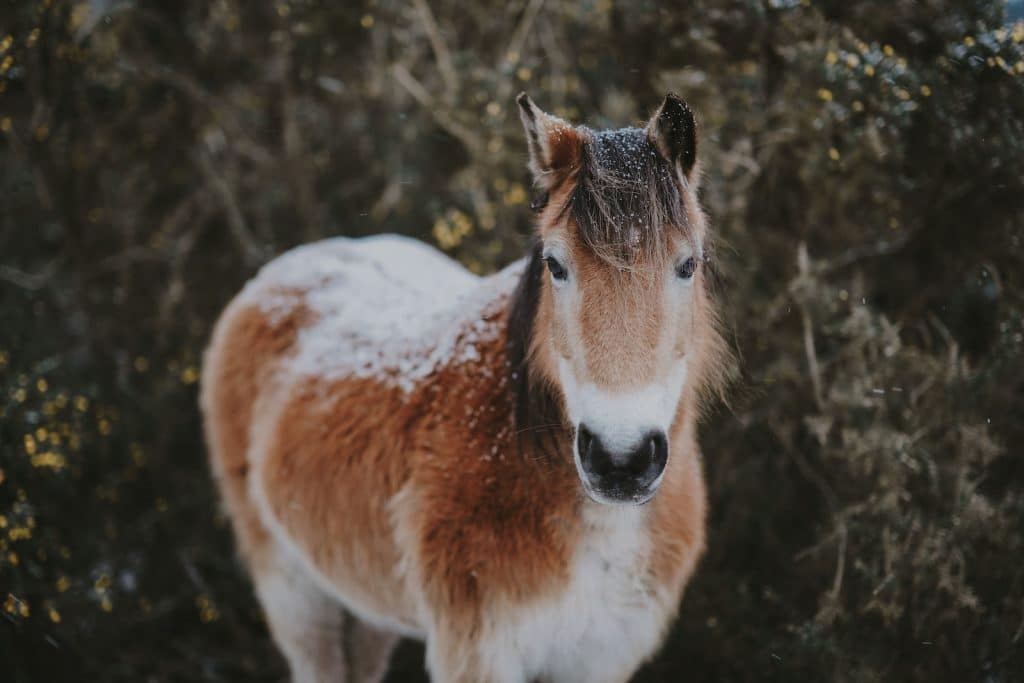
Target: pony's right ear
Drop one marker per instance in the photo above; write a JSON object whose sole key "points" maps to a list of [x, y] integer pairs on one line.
{"points": [[554, 144]]}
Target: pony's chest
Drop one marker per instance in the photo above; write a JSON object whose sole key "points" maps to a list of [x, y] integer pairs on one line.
{"points": [[605, 617]]}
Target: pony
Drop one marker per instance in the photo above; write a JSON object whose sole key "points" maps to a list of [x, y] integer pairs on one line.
{"points": [[506, 467]]}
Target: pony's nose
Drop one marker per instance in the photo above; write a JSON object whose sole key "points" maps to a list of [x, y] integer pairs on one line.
{"points": [[622, 474]]}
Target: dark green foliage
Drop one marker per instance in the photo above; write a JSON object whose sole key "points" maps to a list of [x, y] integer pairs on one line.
{"points": [[864, 166]]}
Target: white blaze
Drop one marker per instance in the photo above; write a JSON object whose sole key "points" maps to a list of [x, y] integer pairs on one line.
{"points": [[621, 419]]}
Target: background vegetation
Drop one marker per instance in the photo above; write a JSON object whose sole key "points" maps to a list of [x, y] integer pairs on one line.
{"points": [[864, 165]]}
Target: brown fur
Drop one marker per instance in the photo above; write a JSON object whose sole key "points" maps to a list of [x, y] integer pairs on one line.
{"points": [[492, 524], [322, 458], [679, 511]]}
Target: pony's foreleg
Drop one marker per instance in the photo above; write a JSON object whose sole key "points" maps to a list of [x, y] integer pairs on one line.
{"points": [[305, 622], [454, 658], [369, 650]]}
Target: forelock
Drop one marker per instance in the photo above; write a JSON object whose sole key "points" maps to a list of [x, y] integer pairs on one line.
{"points": [[627, 199]]}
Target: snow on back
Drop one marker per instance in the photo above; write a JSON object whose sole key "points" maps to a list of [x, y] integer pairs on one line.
{"points": [[386, 307]]}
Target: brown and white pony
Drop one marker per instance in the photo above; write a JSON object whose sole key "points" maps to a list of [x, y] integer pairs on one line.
{"points": [[506, 467]]}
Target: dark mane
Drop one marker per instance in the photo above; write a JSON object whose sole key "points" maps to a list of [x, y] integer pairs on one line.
{"points": [[626, 196], [538, 417]]}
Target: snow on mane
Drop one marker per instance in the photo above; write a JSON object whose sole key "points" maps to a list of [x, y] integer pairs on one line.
{"points": [[386, 307]]}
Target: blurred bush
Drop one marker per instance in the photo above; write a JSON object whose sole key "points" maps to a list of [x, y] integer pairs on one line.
{"points": [[863, 169]]}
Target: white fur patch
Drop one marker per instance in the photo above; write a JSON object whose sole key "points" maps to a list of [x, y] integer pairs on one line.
{"points": [[606, 622], [620, 419], [387, 307]]}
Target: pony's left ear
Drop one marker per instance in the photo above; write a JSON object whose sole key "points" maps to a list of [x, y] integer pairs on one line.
{"points": [[674, 132], [554, 143]]}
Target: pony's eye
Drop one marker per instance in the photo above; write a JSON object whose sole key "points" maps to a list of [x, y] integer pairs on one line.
{"points": [[686, 269], [558, 271], [539, 202]]}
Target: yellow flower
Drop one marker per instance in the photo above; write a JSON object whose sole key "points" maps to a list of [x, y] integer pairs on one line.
{"points": [[516, 195], [207, 610], [825, 94], [49, 459], [833, 154]]}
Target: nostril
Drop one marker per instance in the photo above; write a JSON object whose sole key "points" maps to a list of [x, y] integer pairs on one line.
{"points": [[652, 455], [659, 450], [584, 440], [594, 458], [645, 455]]}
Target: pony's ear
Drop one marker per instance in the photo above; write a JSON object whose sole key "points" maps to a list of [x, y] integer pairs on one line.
{"points": [[554, 144], [674, 133]]}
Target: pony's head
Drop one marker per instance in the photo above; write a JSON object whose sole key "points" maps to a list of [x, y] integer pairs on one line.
{"points": [[612, 333]]}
